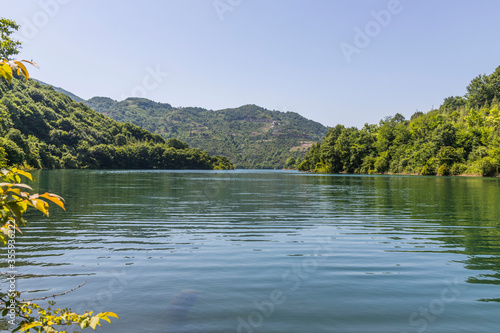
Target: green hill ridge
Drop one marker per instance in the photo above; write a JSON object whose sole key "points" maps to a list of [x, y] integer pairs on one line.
{"points": [[62, 91], [250, 136], [43, 128]]}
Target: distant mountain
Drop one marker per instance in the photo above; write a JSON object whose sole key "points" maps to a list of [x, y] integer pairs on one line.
{"points": [[250, 136], [43, 128], [62, 91]]}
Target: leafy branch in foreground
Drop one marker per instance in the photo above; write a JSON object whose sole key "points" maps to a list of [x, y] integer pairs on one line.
{"points": [[15, 199], [9, 47], [25, 315], [9, 67]]}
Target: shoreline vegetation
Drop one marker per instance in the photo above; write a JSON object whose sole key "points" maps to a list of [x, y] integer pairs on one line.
{"points": [[394, 174], [460, 138]]}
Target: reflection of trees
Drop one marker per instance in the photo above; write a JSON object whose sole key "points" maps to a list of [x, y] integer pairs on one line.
{"points": [[462, 212], [470, 209]]}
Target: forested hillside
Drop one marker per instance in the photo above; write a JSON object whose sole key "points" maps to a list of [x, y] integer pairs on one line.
{"points": [[42, 128], [250, 136], [461, 137], [61, 90]]}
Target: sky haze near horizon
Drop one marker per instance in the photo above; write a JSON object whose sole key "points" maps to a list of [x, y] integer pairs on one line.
{"points": [[332, 61]]}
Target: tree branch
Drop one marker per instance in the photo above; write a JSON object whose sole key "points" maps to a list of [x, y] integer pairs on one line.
{"points": [[43, 298]]}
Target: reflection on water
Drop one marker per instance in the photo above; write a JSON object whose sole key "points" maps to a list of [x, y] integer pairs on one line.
{"points": [[248, 251]]}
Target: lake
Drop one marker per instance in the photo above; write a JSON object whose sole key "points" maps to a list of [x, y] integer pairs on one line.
{"points": [[268, 251]]}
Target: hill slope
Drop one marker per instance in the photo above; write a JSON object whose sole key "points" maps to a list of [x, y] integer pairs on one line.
{"points": [[250, 136], [461, 137], [62, 91], [43, 128]]}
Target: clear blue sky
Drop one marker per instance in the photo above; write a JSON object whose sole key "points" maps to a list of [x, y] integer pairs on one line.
{"points": [[289, 55]]}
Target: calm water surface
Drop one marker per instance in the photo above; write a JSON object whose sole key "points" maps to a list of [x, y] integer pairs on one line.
{"points": [[264, 251]]}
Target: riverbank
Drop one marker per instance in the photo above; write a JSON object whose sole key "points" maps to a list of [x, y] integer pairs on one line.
{"points": [[398, 174]]}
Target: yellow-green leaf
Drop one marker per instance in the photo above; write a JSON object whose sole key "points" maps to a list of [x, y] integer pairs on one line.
{"points": [[6, 71], [109, 314], [94, 322], [23, 69], [15, 190], [54, 198], [26, 327], [105, 315], [40, 205], [50, 329], [23, 205], [84, 324], [25, 174]]}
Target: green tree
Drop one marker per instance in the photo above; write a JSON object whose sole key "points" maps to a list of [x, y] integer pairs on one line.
{"points": [[177, 144], [483, 89], [452, 103], [329, 156], [8, 46], [312, 158], [290, 162]]}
